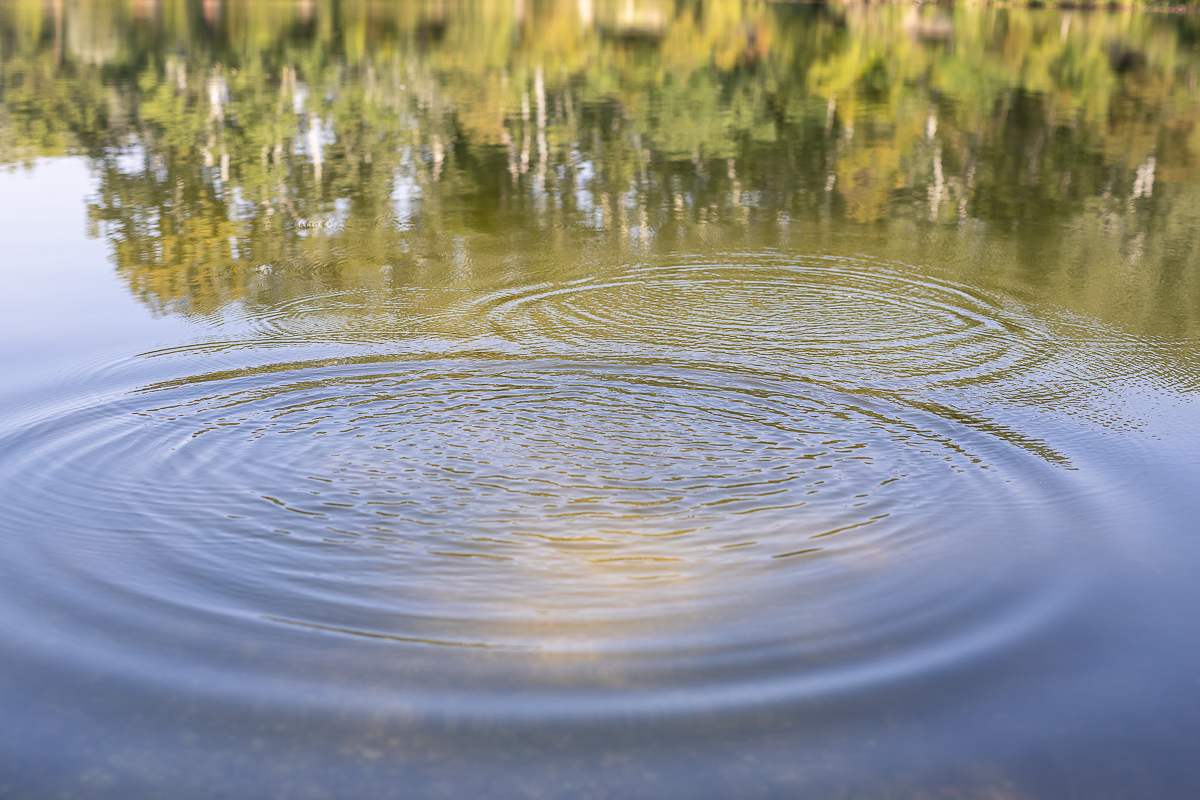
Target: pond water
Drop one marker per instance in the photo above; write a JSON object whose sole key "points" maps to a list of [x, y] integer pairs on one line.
{"points": [[584, 399]]}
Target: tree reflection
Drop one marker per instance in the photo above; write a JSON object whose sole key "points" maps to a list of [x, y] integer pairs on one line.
{"points": [[232, 138]]}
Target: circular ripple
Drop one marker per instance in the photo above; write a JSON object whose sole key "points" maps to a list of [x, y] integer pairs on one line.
{"points": [[843, 320], [352, 317], [579, 522]]}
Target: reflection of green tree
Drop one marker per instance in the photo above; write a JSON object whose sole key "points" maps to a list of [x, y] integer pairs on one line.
{"points": [[343, 135]]}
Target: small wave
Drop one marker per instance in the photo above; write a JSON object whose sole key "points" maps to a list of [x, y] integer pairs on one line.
{"points": [[566, 512], [848, 321]]}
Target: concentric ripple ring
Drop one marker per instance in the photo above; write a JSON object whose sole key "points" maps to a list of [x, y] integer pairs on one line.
{"points": [[845, 320], [612, 523]]}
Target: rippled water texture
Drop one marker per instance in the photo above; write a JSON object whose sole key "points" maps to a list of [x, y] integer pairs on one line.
{"points": [[326, 470]]}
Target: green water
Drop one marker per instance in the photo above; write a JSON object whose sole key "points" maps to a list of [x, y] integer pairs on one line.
{"points": [[598, 399]]}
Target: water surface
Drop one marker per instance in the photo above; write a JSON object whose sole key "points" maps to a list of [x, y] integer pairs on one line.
{"points": [[714, 398]]}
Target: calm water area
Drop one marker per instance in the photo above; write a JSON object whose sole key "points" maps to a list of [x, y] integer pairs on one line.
{"points": [[648, 398]]}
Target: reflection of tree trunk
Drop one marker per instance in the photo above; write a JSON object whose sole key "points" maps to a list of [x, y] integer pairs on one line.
{"points": [[439, 155], [510, 151], [313, 140], [539, 94], [57, 8], [1143, 182], [525, 137], [937, 191]]}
